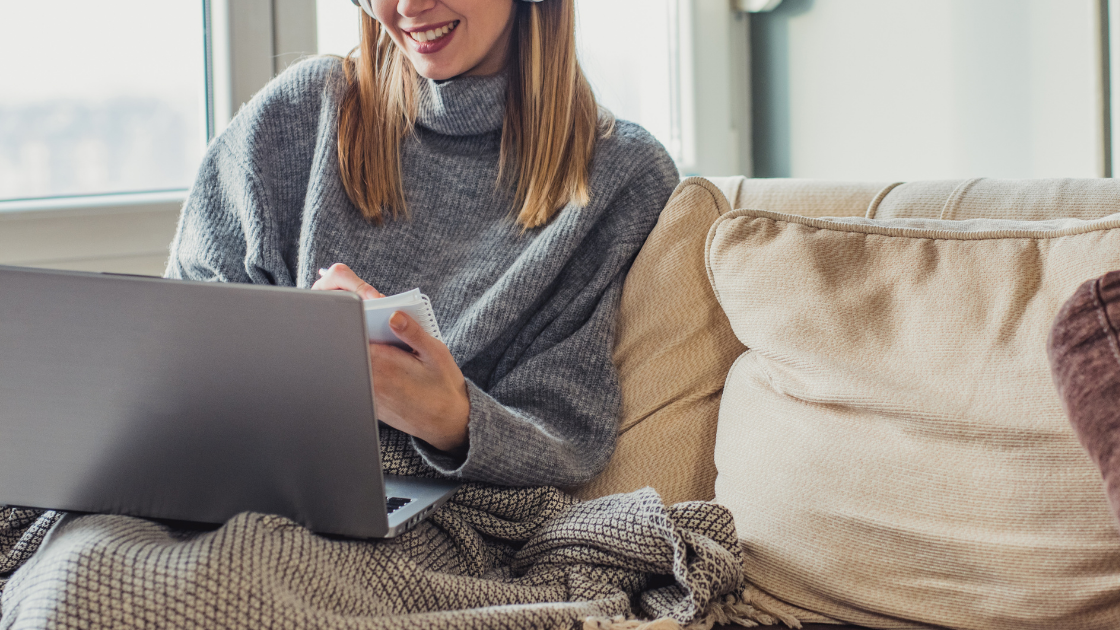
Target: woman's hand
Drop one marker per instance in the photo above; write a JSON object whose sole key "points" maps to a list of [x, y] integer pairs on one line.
{"points": [[339, 277], [422, 392]]}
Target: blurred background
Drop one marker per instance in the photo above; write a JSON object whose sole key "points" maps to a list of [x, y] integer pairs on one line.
{"points": [[107, 107]]}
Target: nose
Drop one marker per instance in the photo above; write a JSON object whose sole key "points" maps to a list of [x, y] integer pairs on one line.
{"points": [[413, 8]]}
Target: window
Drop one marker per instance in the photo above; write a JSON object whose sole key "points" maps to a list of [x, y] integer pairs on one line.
{"points": [[106, 97], [677, 68], [626, 50], [338, 26]]}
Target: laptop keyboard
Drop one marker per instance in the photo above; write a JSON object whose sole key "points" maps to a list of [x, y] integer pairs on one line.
{"points": [[392, 504]]}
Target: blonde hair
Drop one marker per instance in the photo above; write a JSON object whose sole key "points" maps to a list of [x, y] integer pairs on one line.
{"points": [[548, 136]]}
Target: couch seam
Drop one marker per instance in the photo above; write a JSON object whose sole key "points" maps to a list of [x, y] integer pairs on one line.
{"points": [[956, 196], [873, 207]]}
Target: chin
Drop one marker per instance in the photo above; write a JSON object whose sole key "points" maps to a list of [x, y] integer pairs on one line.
{"points": [[437, 72], [437, 75]]}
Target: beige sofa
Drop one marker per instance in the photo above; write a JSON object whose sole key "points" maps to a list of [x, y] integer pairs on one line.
{"points": [[677, 348]]}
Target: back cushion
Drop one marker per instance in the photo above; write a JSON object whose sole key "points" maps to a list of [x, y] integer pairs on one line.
{"points": [[892, 446], [1024, 200], [673, 350], [805, 197]]}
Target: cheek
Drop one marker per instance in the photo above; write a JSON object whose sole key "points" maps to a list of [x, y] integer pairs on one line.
{"points": [[385, 12]]}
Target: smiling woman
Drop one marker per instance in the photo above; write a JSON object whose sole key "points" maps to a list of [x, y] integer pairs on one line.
{"points": [[458, 150]]}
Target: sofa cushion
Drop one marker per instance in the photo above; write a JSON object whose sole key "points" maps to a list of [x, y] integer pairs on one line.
{"points": [[1024, 200], [892, 446], [673, 350], [805, 197]]}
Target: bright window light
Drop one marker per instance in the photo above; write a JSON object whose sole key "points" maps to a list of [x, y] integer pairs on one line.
{"points": [[339, 26], [100, 97], [625, 51]]}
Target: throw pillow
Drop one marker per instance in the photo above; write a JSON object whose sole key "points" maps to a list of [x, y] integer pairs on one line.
{"points": [[891, 444]]}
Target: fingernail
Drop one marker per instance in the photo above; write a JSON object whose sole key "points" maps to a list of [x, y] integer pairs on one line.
{"points": [[397, 321], [323, 271]]}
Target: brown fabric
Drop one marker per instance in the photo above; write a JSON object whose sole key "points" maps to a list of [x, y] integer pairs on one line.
{"points": [[803, 197], [1084, 350], [1014, 199], [673, 351]]}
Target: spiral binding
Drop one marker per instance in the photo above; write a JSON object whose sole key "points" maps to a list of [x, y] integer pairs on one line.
{"points": [[429, 323]]}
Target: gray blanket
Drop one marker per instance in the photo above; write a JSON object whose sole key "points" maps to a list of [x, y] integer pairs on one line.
{"points": [[493, 557]]}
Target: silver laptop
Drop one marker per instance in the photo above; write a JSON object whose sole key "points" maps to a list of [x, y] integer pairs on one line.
{"points": [[194, 401]]}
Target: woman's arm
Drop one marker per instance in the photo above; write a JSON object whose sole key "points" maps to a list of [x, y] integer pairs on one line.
{"points": [[553, 418], [210, 244], [244, 212]]}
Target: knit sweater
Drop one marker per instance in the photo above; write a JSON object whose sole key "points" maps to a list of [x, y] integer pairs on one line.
{"points": [[527, 315]]}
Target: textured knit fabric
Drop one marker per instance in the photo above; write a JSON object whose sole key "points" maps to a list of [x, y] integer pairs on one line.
{"points": [[891, 445], [528, 316], [493, 557], [1084, 348]]}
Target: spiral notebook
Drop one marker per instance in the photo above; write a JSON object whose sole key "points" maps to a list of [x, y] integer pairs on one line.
{"points": [[413, 303]]}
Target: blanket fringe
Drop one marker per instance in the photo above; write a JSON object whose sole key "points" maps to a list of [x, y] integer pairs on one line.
{"points": [[749, 609]]}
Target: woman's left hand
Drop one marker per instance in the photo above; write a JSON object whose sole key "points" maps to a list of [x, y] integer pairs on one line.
{"points": [[422, 392]]}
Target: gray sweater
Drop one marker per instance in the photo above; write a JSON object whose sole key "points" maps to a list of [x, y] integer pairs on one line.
{"points": [[529, 317]]}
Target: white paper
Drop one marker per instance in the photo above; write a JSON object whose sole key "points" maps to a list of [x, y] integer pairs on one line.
{"points": [[413, 303]]}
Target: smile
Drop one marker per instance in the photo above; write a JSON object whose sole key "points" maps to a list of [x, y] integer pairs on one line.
{"points": [[434, 34]]}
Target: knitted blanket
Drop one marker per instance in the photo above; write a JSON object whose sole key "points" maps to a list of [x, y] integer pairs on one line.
{"points": [[493, 557]]}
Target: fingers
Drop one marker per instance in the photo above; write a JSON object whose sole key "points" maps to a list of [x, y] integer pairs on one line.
{"points": [[339, 277], [408, 331]]}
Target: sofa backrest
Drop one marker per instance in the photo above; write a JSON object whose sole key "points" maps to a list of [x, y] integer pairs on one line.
{"points": [[804, 197], [1012, 199], [948, 199]]}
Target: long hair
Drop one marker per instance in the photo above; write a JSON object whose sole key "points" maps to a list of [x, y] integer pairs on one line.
{"points": [[548, 135]]}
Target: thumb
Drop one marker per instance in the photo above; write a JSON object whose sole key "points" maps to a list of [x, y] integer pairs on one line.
{"points": [[408, 331]]}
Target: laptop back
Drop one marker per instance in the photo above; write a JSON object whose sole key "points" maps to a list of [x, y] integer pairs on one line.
{"points": [[187, 400]]}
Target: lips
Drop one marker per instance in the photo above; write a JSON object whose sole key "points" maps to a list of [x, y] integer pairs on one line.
{"points": [[437, 33]]}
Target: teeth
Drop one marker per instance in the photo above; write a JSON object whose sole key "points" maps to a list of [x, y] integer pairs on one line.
{"points": [[434, 34]]}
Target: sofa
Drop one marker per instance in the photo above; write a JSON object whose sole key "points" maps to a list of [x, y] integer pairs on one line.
{"points": [[858, 371]]}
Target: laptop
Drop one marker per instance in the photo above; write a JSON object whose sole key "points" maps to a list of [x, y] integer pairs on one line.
{"points": [[194, 401]]}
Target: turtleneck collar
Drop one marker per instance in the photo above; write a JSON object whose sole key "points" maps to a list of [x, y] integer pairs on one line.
{"points": [[466, 106]]}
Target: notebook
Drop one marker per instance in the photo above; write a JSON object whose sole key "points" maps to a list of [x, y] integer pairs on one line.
{"points": [[413, 303]]}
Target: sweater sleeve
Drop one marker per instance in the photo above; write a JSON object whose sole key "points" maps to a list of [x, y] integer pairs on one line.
{"points": [[552, 420], [550, 417], [243, 213], [211, 243]]}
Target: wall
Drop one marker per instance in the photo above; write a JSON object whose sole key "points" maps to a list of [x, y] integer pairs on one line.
{"points": [[908, 89]]}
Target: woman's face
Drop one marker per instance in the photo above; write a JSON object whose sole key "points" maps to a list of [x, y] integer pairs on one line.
{"points": [[449, 38]]}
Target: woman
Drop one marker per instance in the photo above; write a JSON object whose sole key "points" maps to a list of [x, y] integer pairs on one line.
{"points": [[461, 152]]}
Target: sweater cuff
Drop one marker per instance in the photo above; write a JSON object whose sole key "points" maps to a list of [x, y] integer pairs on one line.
{"points": [[486, 416]]}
